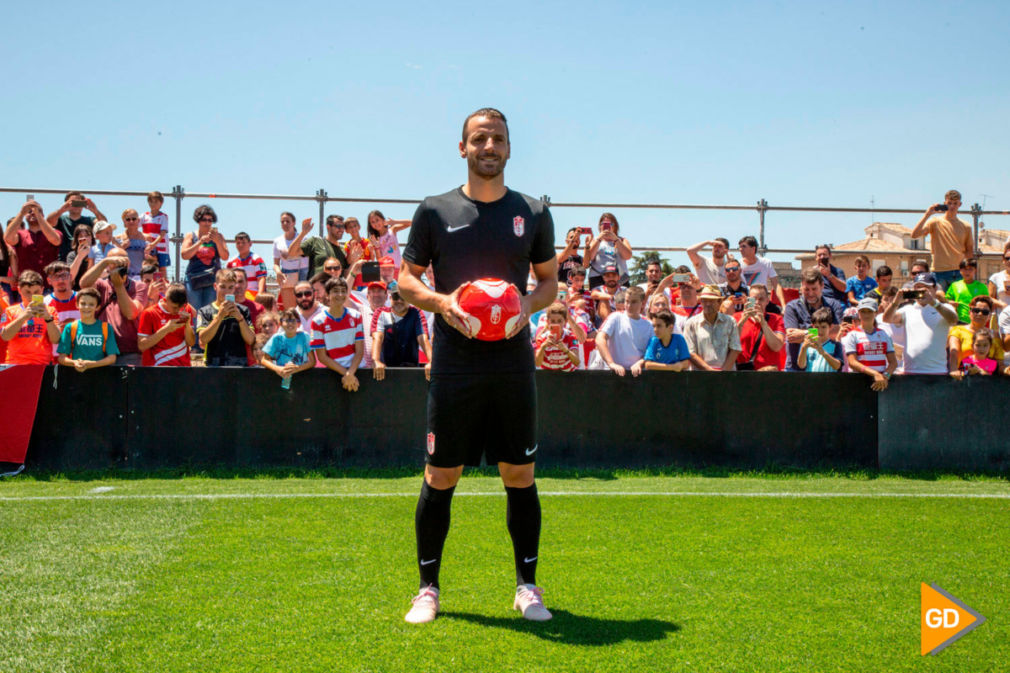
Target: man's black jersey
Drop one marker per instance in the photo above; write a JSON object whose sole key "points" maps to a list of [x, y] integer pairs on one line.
{"points": [[465, 240]]}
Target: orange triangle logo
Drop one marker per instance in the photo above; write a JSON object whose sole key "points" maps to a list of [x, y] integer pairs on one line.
{"points": [[944, 618]]}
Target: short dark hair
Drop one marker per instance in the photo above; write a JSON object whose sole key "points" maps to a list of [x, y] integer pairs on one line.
{"points": [[490, 113], [333, 283], [29, 277], [665, 316], [823, 314], [242, 234], [148, 268], [54, 268], [320, 277], [826, 246], [203, 211], [72, 194], [289, 313], [289, 214], [884, 270], [749, 241], [952, 194], [176, 294], [155, 196], [982, 299], [922, 262], [965, 263], [812, 276], [653, 261], [330, 219], [90, 292]]}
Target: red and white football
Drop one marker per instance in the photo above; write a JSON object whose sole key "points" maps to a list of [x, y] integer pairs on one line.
{"points": [[493, 306]]}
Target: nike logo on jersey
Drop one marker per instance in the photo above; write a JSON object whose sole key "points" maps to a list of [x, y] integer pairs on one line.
{"points": [[530, 452], [529, 560], [427, 563], [452, 229]]}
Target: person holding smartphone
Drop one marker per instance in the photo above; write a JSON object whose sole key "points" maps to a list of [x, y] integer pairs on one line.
{"points": [[165, 331], [569, 259], [71, 214], [555, 347], [950, 238], [224, 327], [607, 248], [29, 327], [927, 321]]}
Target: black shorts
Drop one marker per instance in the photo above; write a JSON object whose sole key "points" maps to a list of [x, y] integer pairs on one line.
{"points": [[469, 415]]}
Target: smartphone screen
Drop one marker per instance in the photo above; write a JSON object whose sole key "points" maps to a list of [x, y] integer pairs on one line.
{"points": [[556, 331], [370, 272], [230, 297]]}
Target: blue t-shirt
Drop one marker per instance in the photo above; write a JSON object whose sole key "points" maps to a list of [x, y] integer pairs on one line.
{"points": [[817, 363], [283, 350], [676, 352], [859, 288], [88, 344]]}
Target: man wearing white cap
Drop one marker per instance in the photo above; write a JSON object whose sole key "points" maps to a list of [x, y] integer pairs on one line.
{"points": [[927, 321], [712, 336]]}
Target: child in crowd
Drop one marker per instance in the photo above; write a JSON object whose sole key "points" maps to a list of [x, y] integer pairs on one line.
{"points": [[103, 241], [382, 236], [860, 285], [87, 343], [666, 351], [257, 350], [155, 225], [30, 327], [337, 335], [555, 347], [287, 352], [819, 353], [267, 323], [978, 363]]}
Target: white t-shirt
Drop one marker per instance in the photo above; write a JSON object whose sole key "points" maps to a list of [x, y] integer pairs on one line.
{"points": [[281, 248], [897, 334], [1004, 323], [997, 279], [761, 271], [926, 336], [626, 338], [870, 349], [709, 273]]}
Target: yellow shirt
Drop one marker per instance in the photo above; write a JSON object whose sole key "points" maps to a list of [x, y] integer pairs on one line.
{"points": [[965, 333]]}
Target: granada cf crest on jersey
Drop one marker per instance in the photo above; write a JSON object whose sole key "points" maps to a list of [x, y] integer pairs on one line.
{"points": [[496, 314], [431, 443], [518, 225]]}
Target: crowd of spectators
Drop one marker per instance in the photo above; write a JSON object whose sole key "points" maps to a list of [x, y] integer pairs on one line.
{"points": [[77, 294]]}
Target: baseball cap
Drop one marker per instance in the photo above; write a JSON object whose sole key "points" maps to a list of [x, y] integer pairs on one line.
{"points": [[867, 304], [376, 283], [925, 278], [387, 261], [102, 225], [611, 268]]}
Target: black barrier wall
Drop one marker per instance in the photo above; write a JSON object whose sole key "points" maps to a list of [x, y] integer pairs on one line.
{"points": [[145, 418]]}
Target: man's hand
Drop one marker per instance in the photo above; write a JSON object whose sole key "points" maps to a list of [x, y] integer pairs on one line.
{"points": [[636, 369], [932, 210], [427, 371], [795, 335], [844, 329], [81, 365], [307, 225], [524, 315], [879, 382], [617, 369], [455, 316], [379, 371], [350, 382]]}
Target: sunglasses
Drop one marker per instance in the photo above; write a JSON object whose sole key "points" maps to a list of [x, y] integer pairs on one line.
{"points": [[331, 268], [731, 269], [206, 219], [338, 225], [130, 219], [1006, 259], [289, 320], [305, 293], [981, 311]]}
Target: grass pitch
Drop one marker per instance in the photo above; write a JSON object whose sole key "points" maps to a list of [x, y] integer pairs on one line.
{"points": [[643, 573]]}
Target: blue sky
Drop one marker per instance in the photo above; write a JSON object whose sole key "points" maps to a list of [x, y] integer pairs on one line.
{"points": [[803, 104]]}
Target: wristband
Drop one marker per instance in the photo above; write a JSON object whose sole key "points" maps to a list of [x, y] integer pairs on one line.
{"points": [[49, 320]]}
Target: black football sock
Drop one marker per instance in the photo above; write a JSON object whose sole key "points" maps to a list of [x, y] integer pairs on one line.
{"points": [[431, 524], [523, 520]]}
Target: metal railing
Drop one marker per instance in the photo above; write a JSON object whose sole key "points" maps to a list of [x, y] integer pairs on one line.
{"points": [[761, 208]]}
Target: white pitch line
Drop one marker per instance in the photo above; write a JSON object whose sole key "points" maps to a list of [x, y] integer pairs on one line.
{"points": [[663, 494]]}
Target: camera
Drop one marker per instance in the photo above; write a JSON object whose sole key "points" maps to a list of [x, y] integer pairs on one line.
{"points": [[942, 208]]}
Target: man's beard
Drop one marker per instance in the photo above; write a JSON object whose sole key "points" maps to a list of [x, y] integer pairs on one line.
{"points": [[306, 304], [474, 163]]}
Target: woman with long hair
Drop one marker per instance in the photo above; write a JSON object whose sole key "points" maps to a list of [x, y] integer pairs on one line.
{"points": [[204, 249], [606, 248]]}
